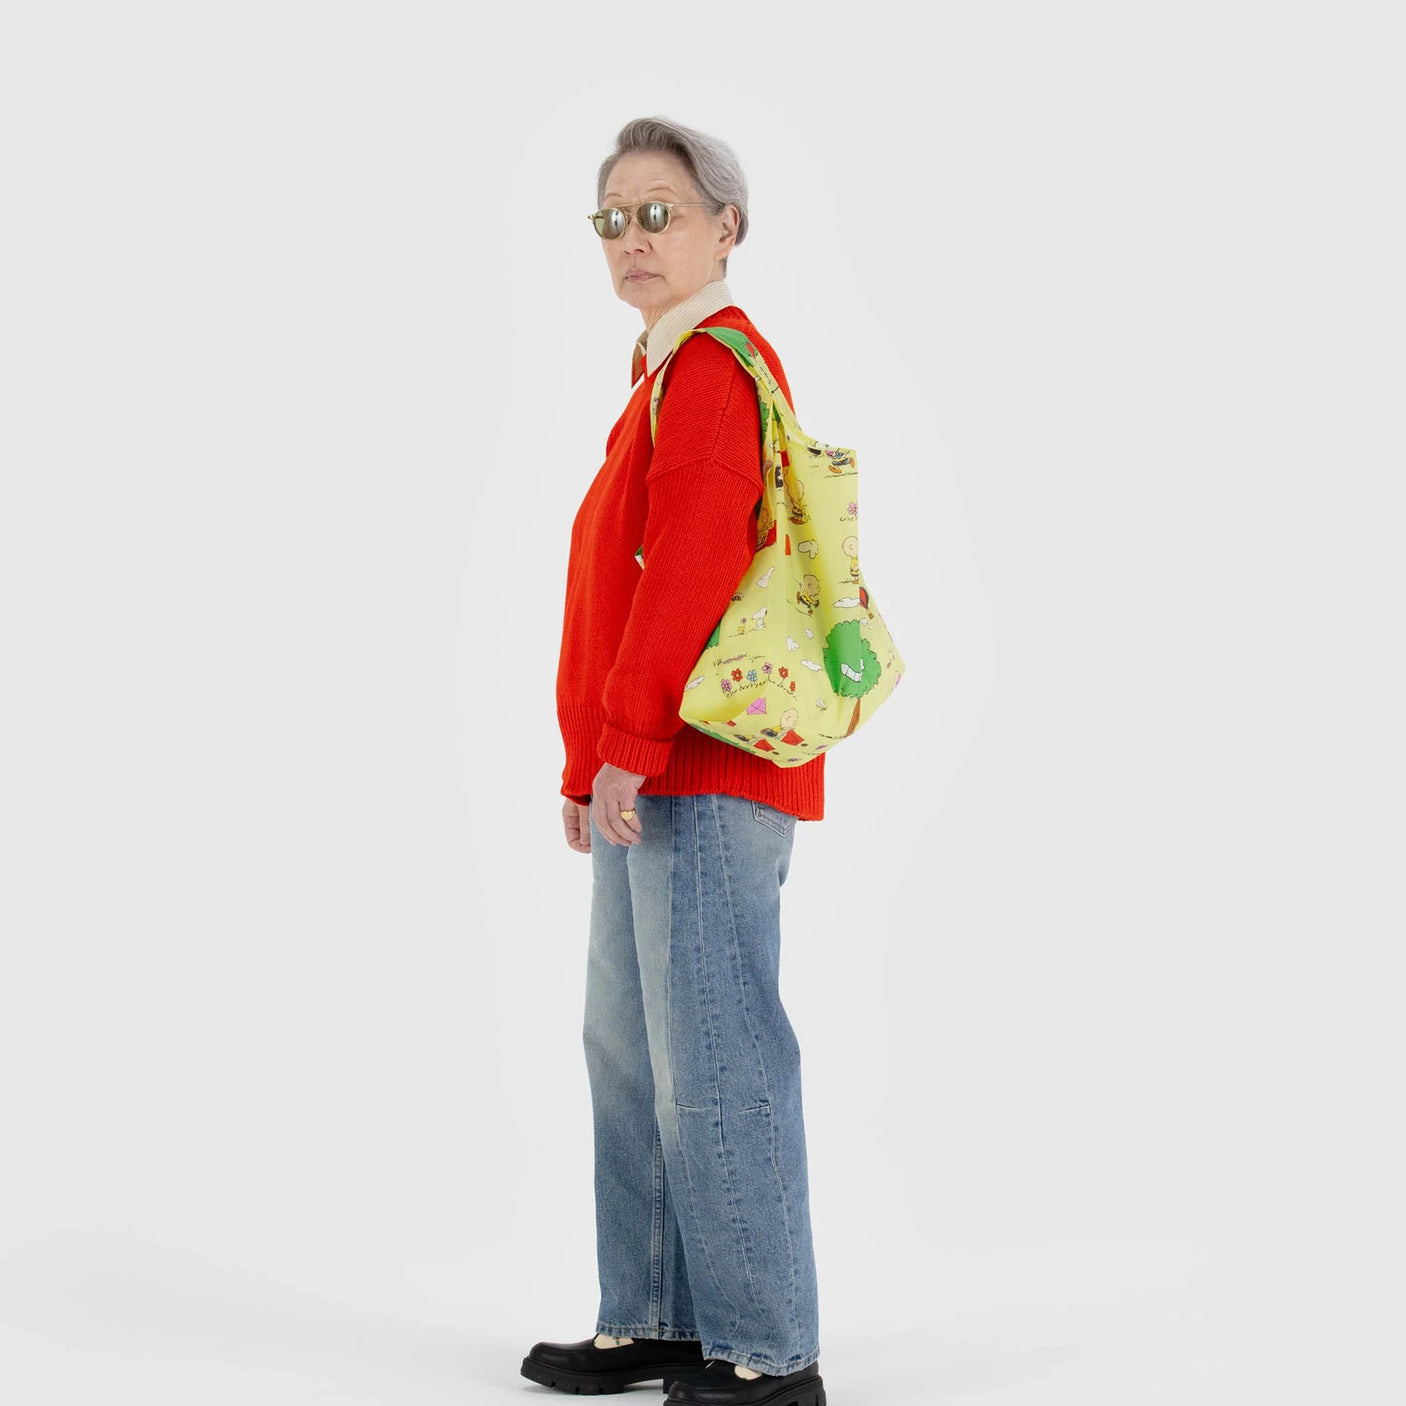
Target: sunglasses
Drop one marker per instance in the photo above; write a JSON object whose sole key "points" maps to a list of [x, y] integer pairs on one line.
{"points": [[652, 215]]}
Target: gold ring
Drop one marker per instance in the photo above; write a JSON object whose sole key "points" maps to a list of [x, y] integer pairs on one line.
{"points": [[627, 815]]}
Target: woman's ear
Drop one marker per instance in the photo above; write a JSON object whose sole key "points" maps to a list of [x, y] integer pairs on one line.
{"points": [[727, 236]]}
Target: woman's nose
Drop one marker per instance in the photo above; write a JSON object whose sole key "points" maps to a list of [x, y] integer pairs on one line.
{"points": [[634, 237]]}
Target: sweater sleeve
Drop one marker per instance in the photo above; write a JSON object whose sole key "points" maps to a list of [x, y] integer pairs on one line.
{"points": [[703, 483]]}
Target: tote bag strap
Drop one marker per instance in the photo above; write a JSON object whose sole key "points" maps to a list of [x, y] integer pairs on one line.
{"points": [[745, 350]]}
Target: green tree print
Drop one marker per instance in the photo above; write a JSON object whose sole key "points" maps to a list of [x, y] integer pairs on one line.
{"points": [[850, 664]]}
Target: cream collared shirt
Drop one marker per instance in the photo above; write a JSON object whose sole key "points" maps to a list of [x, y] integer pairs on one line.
{"points": [[656, 344]]}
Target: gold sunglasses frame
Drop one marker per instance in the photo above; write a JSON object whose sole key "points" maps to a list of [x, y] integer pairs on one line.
{"points": [[631, 212]]}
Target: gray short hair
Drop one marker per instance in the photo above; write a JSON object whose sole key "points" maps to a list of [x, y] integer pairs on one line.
{"points": [[713, 164]]}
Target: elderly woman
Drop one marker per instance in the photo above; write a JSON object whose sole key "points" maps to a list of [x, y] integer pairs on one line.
{"points": [[703, 1237]]}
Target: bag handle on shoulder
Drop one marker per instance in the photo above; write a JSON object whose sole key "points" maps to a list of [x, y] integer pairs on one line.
{"points": [[745, 350]]}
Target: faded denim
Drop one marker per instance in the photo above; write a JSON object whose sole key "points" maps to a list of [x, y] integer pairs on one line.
{"points": [[702, 1200]]}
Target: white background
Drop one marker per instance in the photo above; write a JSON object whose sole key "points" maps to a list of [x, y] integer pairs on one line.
{"points": [[309, 355]]}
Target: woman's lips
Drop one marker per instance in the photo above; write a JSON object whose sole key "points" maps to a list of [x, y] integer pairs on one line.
{"points": [[637, 276]]}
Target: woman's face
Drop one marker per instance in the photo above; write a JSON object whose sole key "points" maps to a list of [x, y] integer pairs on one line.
{"points": [[653, 272]]}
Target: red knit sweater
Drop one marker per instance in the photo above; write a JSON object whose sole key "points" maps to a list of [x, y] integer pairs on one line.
{"points": [[631, 637]]}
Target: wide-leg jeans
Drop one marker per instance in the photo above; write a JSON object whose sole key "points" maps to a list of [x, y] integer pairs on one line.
{"points": [[702, 1202]]}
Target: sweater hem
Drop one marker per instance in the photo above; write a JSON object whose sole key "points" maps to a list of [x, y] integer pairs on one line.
{"points": [[698, 765]]}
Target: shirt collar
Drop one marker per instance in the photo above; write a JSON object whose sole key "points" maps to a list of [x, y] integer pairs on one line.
{"points": [[653, 347]]}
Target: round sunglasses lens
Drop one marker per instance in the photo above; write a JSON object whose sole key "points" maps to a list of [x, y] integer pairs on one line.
{"points": [[610, 224], [654, 216]]}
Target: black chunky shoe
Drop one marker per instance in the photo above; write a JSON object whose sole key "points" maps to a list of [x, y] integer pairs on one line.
{"points": [[588, 1370], [719, 1385]]}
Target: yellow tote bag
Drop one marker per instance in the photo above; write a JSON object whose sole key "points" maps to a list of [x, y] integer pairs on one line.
{"points": [[801, 656]]}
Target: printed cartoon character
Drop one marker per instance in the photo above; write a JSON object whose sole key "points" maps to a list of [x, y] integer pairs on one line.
{"points": [[785, 728], [840, 459], [808, 597], [795, 495], [850, 547], [754, 622], [766, 519], [791, 736]]}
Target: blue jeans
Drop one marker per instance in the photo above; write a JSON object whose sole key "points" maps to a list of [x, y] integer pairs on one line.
{"points": [[702, 1203]]}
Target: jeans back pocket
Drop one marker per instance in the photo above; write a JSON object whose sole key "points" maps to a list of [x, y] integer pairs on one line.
{"points": [[779, 820]]}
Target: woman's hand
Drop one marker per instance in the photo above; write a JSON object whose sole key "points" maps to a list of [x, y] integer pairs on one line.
{"points": [[577, 820], [613, 791]]}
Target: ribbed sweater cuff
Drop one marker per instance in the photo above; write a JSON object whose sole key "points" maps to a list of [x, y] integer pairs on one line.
{"points": [[642, 755]]}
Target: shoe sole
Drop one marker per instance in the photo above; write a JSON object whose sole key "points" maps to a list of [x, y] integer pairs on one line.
{"points": [[806, 1393], [606, 1383]]}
